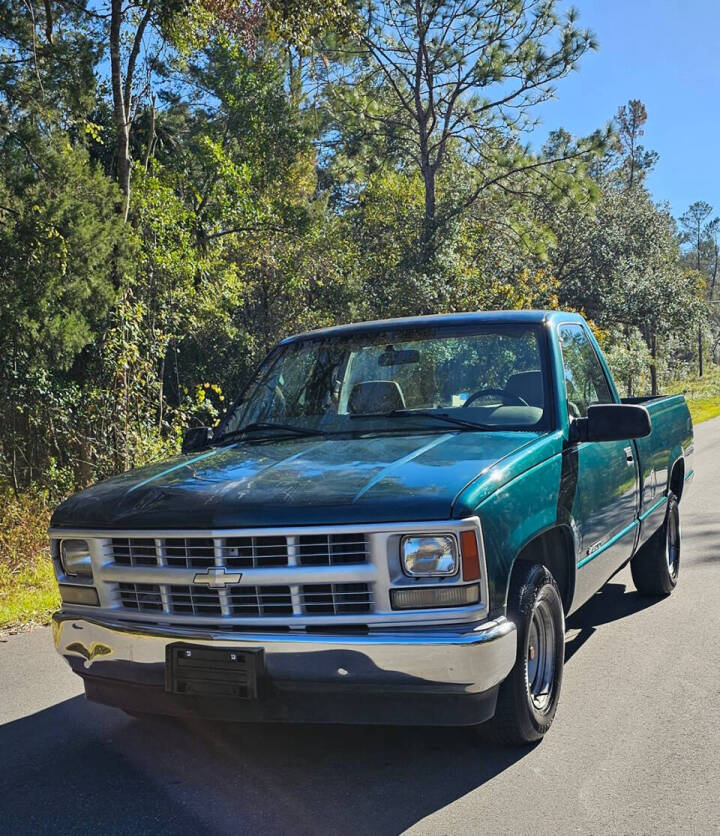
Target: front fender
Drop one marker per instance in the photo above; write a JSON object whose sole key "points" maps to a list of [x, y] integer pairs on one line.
{"points": [[513, 516]]}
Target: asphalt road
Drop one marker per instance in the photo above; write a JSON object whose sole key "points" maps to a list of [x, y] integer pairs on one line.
{"points": [[635, 747]]}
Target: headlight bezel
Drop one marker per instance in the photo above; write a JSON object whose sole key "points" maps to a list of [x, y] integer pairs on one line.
{"points": [[419, 572], [77, 565]]}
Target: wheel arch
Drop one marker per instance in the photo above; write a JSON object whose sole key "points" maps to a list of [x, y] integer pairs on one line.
{"points": [[553, 548], [676, 482]]}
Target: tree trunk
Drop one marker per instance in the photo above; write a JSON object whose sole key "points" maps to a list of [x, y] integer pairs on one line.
{"points": [[161, 389], [122, 92], [48, 22], [700, 337], [700, 352], [83, 473], [630, 376], [653, 365], [429, 216], [151, 136], [122, 127]]}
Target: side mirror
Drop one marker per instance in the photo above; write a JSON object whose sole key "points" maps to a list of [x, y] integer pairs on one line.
{"points": [[611, 422], [196, 438]]}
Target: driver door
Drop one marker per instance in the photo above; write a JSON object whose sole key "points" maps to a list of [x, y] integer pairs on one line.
{"points": [[605, 501]]}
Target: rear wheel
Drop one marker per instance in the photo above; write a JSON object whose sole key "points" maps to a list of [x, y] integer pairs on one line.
{"points": [[528, 698], [656, 566]]}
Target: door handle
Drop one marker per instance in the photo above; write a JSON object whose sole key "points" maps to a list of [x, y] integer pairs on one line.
{"points": [[629, 458]]}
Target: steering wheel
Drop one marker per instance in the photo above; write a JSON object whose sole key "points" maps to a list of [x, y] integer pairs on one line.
{"points": [[508, 397]]}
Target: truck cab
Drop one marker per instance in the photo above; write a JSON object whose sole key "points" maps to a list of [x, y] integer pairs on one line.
{"points": [[389, 526]]}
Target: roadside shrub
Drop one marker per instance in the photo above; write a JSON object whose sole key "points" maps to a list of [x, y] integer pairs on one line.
{"points": [[23, 530], [27, 584]]}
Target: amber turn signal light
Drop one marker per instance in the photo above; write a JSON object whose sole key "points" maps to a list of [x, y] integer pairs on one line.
{"points": [[470, 556]]}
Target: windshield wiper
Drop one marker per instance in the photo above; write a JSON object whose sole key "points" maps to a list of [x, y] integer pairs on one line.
{"points": [[266, 425], [426, 413]]}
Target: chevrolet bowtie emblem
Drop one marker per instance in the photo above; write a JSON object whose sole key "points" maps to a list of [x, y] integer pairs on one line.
{"points": [[217, 578]]}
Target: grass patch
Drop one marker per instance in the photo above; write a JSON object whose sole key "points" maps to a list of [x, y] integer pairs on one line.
{"points": [[28, 595], [701, 393], [703, 409], [28, 592]]}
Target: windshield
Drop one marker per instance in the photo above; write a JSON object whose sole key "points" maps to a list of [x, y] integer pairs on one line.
{"points": [[439, 378]]}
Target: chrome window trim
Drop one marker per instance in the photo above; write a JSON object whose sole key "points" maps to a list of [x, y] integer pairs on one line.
{"points": [[376, 572]]}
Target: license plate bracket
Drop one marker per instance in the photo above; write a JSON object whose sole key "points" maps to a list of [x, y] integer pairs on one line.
{"points": [[201, 671]]}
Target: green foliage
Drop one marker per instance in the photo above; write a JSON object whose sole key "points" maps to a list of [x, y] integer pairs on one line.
{"points": [[431, 82], [281, 181], [59, 230], [296, 23], [300, 22], [622, 266], [629, 358], [636, 162]]}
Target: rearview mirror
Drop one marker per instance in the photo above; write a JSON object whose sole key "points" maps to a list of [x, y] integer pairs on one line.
{"points": [[611, 422], [196, 438], [391, 357]]}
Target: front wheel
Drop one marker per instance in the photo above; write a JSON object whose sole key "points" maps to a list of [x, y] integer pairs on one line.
{"points": [[656, 566], [528, 698]]}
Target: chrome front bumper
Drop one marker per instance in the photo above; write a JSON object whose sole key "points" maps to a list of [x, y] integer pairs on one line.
{"points": [[459, 661]]}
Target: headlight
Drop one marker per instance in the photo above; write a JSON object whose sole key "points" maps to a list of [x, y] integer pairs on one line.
{"points": [[429, 556], [75, 558]]}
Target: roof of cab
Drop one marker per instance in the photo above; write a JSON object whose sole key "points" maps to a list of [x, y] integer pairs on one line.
{"points": [[439, 320]]}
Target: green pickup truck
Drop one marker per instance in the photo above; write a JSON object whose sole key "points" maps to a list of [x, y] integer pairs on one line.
{"points": [[390, 525]]}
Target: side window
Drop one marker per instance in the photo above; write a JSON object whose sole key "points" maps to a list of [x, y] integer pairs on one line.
{"points": [[585, 379]]}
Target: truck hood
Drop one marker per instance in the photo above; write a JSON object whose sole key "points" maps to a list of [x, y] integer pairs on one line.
{"points": [[295, 482]]}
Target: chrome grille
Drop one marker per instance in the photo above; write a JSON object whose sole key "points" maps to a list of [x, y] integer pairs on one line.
{"points": [[241, 600], [134, 552], [336, 598], [241, 552], [315, 599], [194, 600], [143, 597], [186, 552], [253, 552], [183, 595], [296, 577], [260, 600], [331, 549]]}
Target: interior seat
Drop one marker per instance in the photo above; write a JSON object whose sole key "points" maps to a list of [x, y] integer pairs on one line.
{"points": [[375, 396], [528, 386]]}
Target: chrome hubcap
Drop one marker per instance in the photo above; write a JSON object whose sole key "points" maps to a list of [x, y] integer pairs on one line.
{"points": [[541, 656]]}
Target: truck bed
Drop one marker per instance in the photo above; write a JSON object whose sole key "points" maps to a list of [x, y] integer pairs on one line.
{"points": [[671, 437]]}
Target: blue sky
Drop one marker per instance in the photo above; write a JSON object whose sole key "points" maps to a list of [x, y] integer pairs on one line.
{"points": [[666, 53]]}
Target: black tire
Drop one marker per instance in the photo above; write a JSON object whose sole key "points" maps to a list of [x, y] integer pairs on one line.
{"points": [[656, 565], [528, 698]]}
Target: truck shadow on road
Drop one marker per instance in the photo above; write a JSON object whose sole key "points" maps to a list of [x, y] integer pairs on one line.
{"points": [[611, 603], [80, 767]]}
